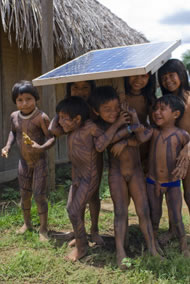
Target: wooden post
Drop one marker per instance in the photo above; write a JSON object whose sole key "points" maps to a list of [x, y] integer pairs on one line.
{"points": [[48, 92], [1, 110]]}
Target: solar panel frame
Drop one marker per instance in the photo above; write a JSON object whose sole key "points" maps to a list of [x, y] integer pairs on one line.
{"points": [[150, 66]]}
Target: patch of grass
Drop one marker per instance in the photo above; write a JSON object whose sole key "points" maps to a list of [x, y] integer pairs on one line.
{"points": [[24, 259]]}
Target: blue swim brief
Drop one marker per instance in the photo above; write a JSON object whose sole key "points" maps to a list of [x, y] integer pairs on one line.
{"points": [[165, 184]]}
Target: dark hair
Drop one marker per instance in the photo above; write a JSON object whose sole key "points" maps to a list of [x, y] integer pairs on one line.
{"points": [[24, 87], [148, 91], [174, 102], [102, 95], [74, 106], [174, 65], [68, 87]]}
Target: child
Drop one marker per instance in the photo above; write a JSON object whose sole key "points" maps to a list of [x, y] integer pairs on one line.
{"points": [[173, 79], [140, 95], [166, 142], [84, 138], [32, 169], [105, 103], [84, 89], [81, 89]]}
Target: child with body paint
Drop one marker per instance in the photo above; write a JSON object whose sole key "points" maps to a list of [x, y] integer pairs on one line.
{"points": [[30, 122], [85, 141], [166, 142], [173, 79]]}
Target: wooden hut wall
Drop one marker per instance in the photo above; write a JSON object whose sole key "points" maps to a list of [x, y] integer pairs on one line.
{"points": [[16, 64]]}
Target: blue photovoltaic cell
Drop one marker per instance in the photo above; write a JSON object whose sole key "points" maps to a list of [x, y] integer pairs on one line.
{"points": [[110, 63], [120, 58]]}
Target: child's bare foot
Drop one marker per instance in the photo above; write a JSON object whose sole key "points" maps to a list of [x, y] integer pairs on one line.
{"points": [[23, 229], [120, 256], [76, 254], [96, 238], [72, 243], [43, 236]]}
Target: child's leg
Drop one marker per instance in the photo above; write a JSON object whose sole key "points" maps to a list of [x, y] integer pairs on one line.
{"points": [[25, 184], [78, 198], [186, 188], [42, 205], [119, 195], [174, 201], [39, 189], [72, 243], [155, 204], [137, 189], [26, 207], [94, 206]]}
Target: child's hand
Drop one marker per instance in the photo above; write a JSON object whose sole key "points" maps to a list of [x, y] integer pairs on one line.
{"points": [[181, 171], [123, 119], [36, 146], [118, 148], [184, 155], [5, 152]]}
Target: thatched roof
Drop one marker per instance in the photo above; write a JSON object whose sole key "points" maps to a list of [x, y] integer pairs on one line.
{"points": [[79, 26]]}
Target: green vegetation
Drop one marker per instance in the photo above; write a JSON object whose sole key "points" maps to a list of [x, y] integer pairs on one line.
{"points": [[186, 60], [24, 259]]}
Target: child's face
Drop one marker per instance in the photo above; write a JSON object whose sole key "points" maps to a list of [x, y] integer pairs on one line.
{"points": [[68, 124], [163, 115], [138, 82], [81, 89], [170, 81], [26, 103], [109, 111]]}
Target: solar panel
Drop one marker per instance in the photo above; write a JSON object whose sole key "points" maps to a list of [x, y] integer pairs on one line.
{"points": [[110, 63]]}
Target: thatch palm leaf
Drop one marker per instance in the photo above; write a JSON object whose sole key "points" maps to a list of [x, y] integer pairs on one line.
{"points": [[79, 26]]}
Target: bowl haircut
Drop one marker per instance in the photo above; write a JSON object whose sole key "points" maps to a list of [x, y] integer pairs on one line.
{"points": [[102, 95], [24, 87], [74, 106]]}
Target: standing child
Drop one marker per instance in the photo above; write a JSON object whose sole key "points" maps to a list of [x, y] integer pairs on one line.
{"points": [[32, 169], [173, 79], [166, 142], [84, 89], [84, 137], [105, 103], [140, 95]]}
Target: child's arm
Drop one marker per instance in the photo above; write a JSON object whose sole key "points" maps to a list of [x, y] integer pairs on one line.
{"points": [[103, 139], [55, 128], [10, 141], [142, 133], [119, 146], [183, 158], [50, 139]]}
